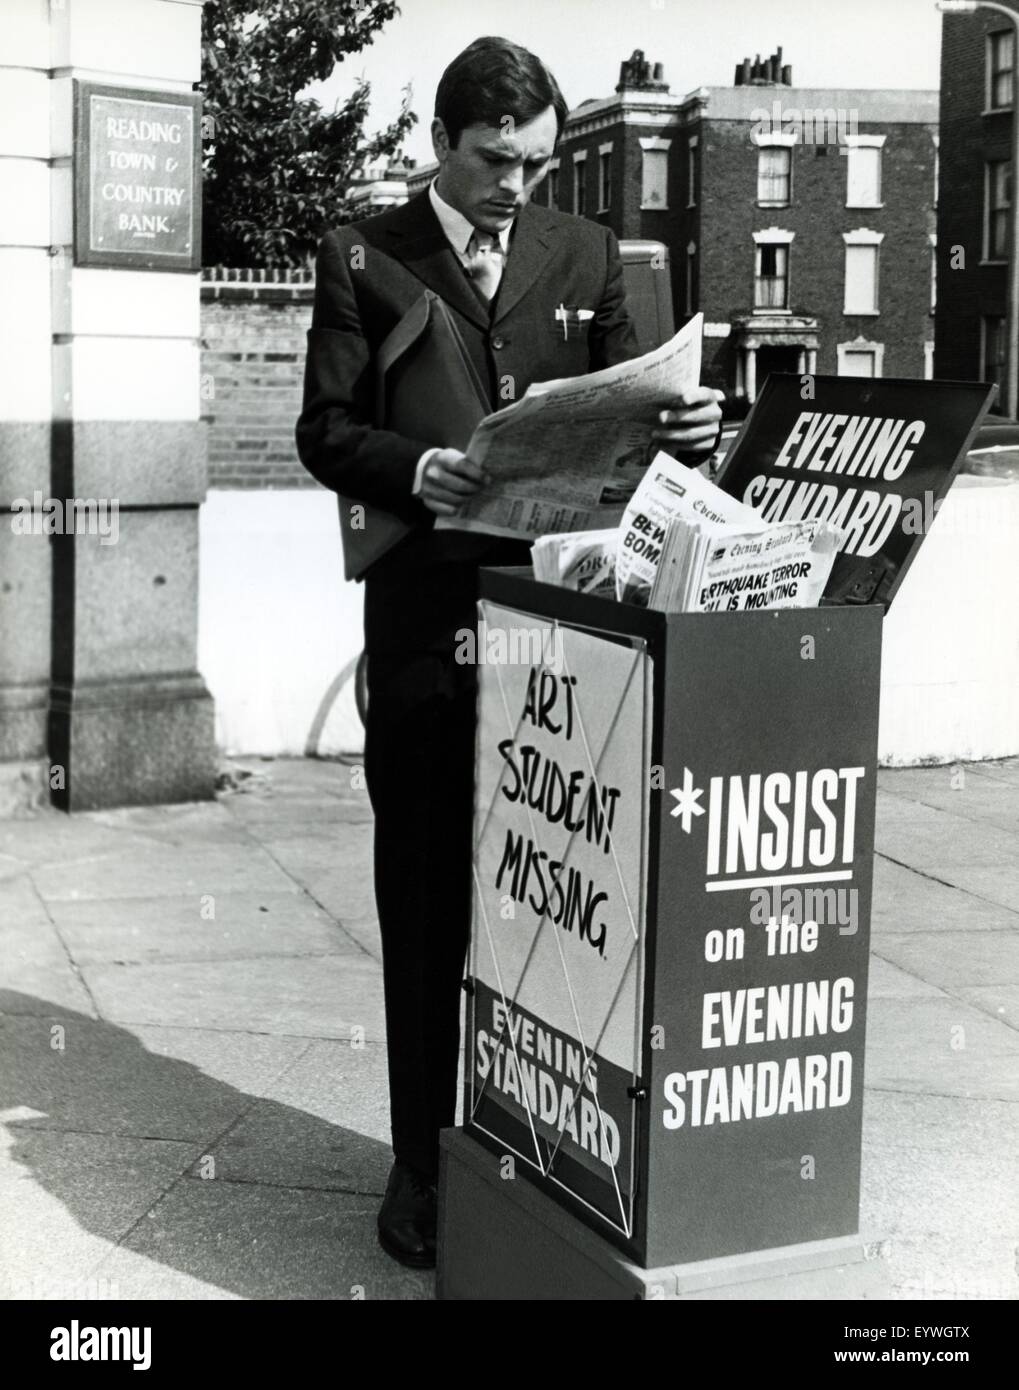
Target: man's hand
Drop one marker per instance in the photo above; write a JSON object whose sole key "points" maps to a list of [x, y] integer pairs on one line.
{"points": [[691, 425], [449, 478]]}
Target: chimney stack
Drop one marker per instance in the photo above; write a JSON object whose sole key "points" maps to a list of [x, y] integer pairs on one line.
{"points": [[769, 72]]}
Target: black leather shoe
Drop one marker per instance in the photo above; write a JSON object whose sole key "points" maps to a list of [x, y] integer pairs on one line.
{"points": [[406, 1221]]}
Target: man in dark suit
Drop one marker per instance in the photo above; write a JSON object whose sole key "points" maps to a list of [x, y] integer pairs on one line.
{"points": [[503, 267]]}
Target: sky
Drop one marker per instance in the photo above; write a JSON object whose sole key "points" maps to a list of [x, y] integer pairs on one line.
{"points": [[830, 43]]}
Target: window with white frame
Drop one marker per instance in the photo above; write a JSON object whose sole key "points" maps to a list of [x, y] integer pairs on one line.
{"points": [[860, 358], [579, 177], [998, 198], [774, 169], [863, 251], [654, 182], [692, 148], [771, 269], [1000, 69], [604, 177], [863, 173]]}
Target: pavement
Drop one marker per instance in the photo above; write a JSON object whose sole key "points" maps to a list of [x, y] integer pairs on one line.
{"points": [[192, 1063]]}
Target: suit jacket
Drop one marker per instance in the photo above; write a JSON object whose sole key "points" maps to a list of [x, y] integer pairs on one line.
{"points": [[368, 275]]}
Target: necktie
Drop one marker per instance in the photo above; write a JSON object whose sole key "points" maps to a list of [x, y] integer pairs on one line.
{"points": [[484, 263]]}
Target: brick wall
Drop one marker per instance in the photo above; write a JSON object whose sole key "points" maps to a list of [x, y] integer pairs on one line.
{"points": [[725, 216], [969, 290], [818, 216], [253, 345]]}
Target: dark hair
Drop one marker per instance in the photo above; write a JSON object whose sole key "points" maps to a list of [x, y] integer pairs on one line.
{"points": [[491, 79]]}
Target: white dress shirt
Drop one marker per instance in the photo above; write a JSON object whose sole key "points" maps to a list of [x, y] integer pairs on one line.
{"points": [[458, 233]]}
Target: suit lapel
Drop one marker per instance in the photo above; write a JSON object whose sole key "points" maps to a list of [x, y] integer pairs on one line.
{"points": [[533, 240], [420, 244], [417, 240]]}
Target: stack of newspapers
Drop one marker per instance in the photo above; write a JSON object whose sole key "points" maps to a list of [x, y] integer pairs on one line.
{"points": [[685, 546]]}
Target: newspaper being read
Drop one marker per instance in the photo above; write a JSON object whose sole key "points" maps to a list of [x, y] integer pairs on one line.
{"points": [[568, 455]]}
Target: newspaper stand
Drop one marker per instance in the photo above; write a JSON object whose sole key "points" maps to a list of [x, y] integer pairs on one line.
{"points": [[729, 699], [665, 1024]]}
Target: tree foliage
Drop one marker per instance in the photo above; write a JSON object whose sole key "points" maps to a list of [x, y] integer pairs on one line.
{"points": [[276, 165]]}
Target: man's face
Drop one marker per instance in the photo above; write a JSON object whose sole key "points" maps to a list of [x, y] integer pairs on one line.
{"points": [[494, 169]]}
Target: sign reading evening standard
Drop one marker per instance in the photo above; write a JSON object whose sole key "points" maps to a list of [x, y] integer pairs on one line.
{"points": [[874, 458], [556, 959], [137, 200]]}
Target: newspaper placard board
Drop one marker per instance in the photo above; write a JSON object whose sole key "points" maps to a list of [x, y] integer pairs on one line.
{"points": [[557, 953]]}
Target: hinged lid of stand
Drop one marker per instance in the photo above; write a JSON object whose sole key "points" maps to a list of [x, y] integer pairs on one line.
{"points": [[875, 457]]}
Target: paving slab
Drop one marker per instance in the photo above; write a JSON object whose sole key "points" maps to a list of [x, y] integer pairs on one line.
{"points": [[940, 1189], [65, 1198], [1000, 1001], [1005, 770], [52, 835], [929, 1267], [924, 837], [36, 972], [345, 893], [942, 1046], [350, 849], [954, 960], [186, 823], [131, 931], [986, 800], [887, 981], [319, 814], [252, 1241], [365, 931], [300, 1136], [999, 884], [905, 901], [320, 996], [168, 1084], [11, 866], [162, 870]]}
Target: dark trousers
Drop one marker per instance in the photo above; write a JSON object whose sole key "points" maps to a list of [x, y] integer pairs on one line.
{"points": [[419, 766]]}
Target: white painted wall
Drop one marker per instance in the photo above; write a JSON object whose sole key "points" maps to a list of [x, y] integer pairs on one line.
{"points": [[950, 668], [279, 625]]}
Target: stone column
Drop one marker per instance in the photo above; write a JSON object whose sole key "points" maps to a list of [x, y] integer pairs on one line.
{"points": [[812, 361], [25, 345], [130, 720]]}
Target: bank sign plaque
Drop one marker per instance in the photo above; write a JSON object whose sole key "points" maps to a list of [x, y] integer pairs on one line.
{"points": [[137, 194]]}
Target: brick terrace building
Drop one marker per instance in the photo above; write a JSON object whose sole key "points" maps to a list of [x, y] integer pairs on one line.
{"points": [[977, 60], [799, 220]]}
